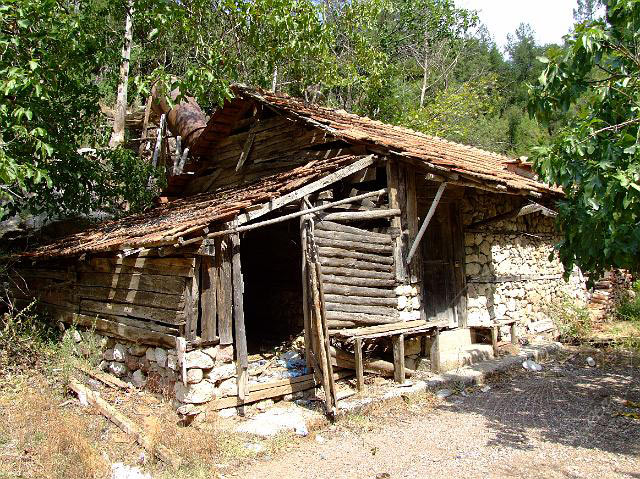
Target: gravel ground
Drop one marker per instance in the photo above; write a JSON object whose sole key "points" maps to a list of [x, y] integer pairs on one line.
{"points": [[562, 422]]}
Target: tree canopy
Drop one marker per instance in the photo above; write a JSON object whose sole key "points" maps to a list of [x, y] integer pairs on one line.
{"points": [[427, 64], [595, 157]]}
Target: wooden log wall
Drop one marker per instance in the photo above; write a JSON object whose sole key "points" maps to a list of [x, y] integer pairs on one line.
{"points": [[262, 147], [358, 277], [153, 298]]}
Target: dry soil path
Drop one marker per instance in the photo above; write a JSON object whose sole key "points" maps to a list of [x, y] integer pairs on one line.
{"points": [[561, 423]]}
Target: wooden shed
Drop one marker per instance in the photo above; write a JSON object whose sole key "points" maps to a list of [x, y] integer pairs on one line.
{"points": [[287, 217]]}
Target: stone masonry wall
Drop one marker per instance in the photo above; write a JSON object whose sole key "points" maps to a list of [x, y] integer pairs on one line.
{"points": [[507, 264]]}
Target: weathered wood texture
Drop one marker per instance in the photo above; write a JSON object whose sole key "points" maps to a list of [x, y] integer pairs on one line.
{"points": [[145, 299], [358, 270], [224, 294]]}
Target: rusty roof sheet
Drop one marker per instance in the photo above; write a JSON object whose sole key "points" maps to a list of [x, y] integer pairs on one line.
{"points": [[167, 223], [472, 163]]}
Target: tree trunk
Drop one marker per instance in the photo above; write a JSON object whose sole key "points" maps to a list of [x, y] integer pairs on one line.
{"points": [[120, 110], [425, 68]]}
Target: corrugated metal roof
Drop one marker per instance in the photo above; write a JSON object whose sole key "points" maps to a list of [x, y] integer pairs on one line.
{"points": [[165, 224], [472, 163]]}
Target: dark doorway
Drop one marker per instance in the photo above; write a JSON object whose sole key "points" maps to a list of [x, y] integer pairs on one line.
{"points": [[443, 257], [271, 270]]}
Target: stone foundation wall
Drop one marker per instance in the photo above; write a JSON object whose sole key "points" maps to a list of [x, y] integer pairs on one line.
{"points": [[507, 264]]}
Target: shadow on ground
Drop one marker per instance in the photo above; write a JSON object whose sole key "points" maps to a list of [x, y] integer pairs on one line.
{"points": [[567, 403]]}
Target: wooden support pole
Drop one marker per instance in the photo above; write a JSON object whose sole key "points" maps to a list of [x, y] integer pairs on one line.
{"points": [[494, 340], [242, 361], [398, 358], [305, 291], [208, 300], [359, 365], [224, 293], [425, 223]]}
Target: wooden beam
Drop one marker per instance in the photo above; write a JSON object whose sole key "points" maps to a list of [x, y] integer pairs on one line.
{"points": [[425, 223], [242, 361], [246, 150], [297, 214], [308, 189], [359, 365], [362, 215], [124, 423], [305, 291]]}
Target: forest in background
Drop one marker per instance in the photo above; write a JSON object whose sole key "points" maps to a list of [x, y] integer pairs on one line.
{"points": [[423, 64]]}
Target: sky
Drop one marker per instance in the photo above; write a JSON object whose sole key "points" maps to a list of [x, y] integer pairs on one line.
{"points": [[551, 19]]}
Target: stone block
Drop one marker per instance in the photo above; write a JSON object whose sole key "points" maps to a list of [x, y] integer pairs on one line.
{"points": [[194, 376], [198, 359], [118, 369], [137, 350], [150, 354], [225, 353], [161, 357], [138, 379], [199, 393], [221, 373], [119, 352]]}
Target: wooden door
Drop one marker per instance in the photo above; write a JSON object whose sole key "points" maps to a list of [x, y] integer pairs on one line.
{"points": [[443, 260]]}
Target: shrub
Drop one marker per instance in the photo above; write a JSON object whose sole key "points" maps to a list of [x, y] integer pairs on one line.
{"points": [[572, 319], [628, 308]]}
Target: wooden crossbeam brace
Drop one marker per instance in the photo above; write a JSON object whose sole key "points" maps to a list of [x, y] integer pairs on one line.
{"points": [[520, 211], [425, 223]]}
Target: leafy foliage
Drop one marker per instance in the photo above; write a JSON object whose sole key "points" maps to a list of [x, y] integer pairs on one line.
{"points": [[594, 158]]}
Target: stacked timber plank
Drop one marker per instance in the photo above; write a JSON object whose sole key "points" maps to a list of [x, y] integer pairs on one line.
{"points": [[148, 299], [357, 275]]}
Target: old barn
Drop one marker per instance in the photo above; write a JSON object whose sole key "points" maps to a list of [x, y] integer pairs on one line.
{"points": [[285, 219]]}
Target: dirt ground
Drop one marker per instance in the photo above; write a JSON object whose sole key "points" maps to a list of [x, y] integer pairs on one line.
{"points": [[567, 421], [570, 421]]}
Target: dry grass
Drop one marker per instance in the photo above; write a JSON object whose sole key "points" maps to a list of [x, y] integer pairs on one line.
{"points": [[40, 439]]}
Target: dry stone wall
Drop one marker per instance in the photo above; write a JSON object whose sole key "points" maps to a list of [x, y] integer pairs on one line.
{"points": [[509, 273]]}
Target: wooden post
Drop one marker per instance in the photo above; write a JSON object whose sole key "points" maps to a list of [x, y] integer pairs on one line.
{"points": [[191, 303], [181, 350], [494, 340], [224, 292], [359, 366], [398, 358], [396, 222], [435, 353], [242, 361], [325, 332], [514, 336], [305, 291], [415, 267], [208, 300]]}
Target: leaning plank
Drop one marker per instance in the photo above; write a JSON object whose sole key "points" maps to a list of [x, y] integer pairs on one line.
{"points": [[107, 379], [361, 318], [325, 225], [137, 281], [329, 252], [358, 291], [385, 249], [361, 300], [242, 362], [338, 235], [173, 302], [119, 330], [308, 189], [136, 311], [354, 263], [368, 282], [361, 215], [362, 308], [125, 424]]}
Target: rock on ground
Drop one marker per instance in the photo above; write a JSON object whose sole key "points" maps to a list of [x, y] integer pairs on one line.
{"points": [[274, 421]]}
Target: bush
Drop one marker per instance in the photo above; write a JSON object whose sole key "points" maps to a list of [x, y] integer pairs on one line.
{"points": [[573, 320], [24, 338], [628, 308]]}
